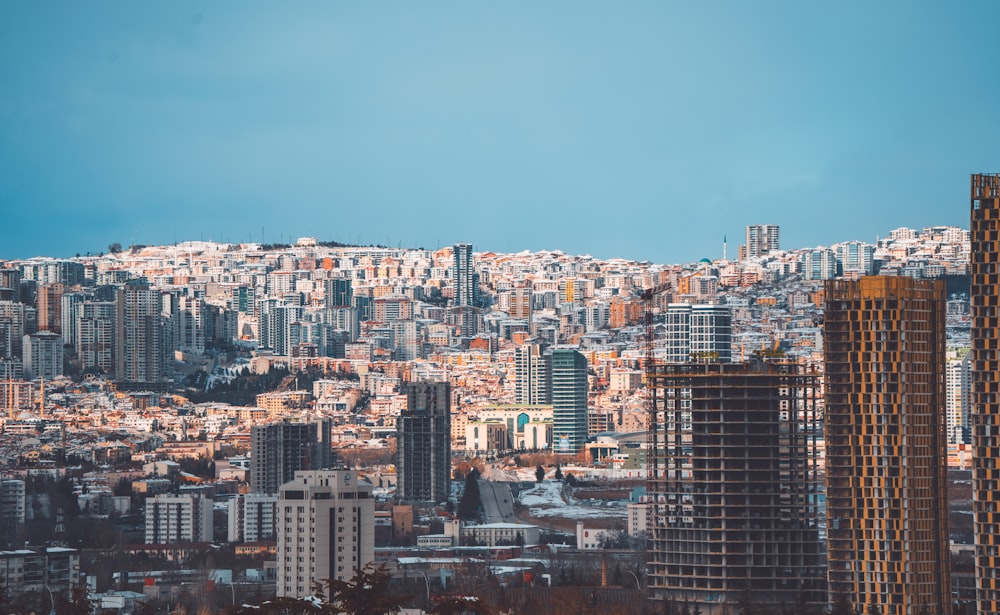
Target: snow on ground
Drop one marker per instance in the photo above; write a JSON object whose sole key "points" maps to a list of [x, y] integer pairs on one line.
{"points": [[547, 499]]}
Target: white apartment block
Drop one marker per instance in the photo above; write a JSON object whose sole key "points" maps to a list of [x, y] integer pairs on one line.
{"points": [[178, 518], [326, 529], [43, 355], [55, 569], [958, 391], [252, 517], [636, 522]]}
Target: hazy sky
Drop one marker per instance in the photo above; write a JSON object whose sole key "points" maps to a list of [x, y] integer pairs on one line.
{"points": [[644, 130]]}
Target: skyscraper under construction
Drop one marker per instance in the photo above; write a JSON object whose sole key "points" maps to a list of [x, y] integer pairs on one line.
{"points": [[423, 436], [984, 296], [886, 451], [733, 482]]}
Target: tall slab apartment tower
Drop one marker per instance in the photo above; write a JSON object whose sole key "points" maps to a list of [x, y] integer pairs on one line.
{"points": [[984, 294], [886, 451], [423, 434]]}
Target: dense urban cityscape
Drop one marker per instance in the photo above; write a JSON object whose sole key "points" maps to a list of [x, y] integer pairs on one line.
{"points": [[234, 428]]}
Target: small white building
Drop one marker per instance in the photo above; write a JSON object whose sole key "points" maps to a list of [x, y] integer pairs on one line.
{"points": [[637, 515], [499, 534], [589, 539]]}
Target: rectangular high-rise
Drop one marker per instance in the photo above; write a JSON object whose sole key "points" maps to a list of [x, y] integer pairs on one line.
{"points": [[698, 333], [463, 275], [984, 296], [762, 239], [886, 445], [49, 304], [733, 483], [12, 511], [326, 530], [139, 343], [569, 400], [279, 450], [423, 436], [532, 377], [95, 336], [337, 292], [43, 355], [178, 518]]}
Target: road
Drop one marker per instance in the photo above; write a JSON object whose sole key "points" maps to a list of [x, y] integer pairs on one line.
{"points": [[497, 501]]}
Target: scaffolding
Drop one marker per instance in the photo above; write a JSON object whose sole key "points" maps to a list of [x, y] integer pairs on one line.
{"points": [[734, 485]]}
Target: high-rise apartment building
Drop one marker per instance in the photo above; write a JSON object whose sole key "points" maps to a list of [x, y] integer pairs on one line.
{"points": [[14, 315], [276, 318], [95, 336], [10, 279], [279, 450], [819, 264], [761, 239], [423, 436], [139, 344], [855, 258], [886, 451], [569, 400], [49, 304], [698, 333], [532, 377], [242, 299], [68, 313], [178, 518], [43, 355], [984, 297], [326, 530], [463, 275], [191, 324], [521, 299], [958, 395], [12, 511], [733, 486], [338, 292], [253, 517]]}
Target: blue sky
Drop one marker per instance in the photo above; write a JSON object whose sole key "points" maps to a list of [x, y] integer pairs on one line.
{"points": [[643, 130]]}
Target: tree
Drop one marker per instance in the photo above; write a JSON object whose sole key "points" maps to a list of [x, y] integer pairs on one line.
{"points": [[539, 473], [468, 506], [79, 603], [461, 605], [367, 593], [115, 248], [282, 606]]}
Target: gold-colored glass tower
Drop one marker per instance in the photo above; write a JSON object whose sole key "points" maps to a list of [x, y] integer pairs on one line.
{"points": [[985, 302], [886, 462]]}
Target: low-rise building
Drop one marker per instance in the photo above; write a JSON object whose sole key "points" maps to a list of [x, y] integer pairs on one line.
{"points": [[499, 534]]}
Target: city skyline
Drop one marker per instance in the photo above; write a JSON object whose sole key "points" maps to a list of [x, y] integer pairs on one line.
{"points": [[516, 128]]}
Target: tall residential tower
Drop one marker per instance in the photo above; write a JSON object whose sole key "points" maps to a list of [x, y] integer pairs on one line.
{"points": [[886, 447], [279, 450], [464, 275], [326, 530], [569, 400], [985, 299], [424, 443]]}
